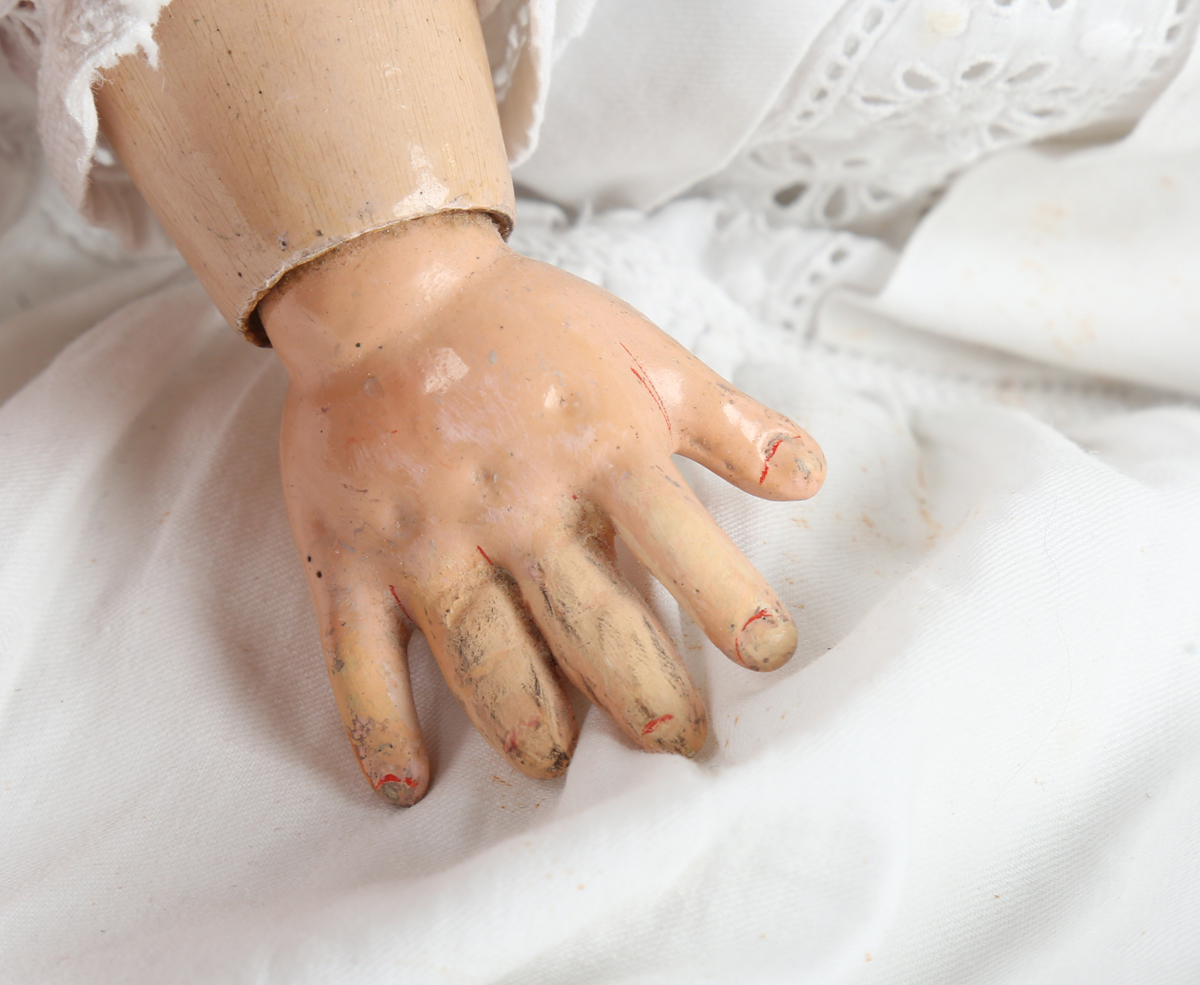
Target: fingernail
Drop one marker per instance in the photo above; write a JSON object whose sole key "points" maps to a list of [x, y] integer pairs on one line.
{"points": [[794, 456], [401, 791], [766, 641], [682, 735], [809, 462]]}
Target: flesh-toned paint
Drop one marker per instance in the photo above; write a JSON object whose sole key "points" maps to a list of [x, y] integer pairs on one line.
{"points": [[548, 454], [421, 352]]}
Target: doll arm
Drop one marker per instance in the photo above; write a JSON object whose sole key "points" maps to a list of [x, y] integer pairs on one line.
{"points": [[270, 132], [466, 430]]}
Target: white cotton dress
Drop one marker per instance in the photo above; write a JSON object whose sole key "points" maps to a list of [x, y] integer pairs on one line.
{"points": [[958, 241]]}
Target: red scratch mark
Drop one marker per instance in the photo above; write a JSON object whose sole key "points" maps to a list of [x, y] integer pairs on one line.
{"points": [[484, 553], [760, 614], [644, 379], [654, 723], [737, 648], [401, 604], [510, 743], [408, 781], [766, 461]]}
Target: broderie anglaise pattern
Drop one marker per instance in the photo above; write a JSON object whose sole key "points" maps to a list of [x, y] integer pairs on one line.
{"points": [[896, 96]]}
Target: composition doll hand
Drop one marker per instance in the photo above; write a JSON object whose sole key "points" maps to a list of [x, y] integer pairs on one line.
{"points": [[465, 430]]}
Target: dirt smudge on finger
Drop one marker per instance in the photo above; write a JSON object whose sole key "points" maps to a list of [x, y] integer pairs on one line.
{"points": [[610, 647], [501, 671]]}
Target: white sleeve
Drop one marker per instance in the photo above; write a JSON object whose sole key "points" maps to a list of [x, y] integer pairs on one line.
{"points": [[61, 46], [655, 97], [524, 38]]}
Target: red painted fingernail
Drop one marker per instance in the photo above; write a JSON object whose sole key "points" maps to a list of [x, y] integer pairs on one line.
{"points": [[766, 460], [408, 781], [514, 734], [654, 723], [769, 639], [760, 614]]}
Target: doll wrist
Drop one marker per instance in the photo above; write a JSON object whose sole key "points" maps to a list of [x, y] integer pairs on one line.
{"points": [[389, 289]]}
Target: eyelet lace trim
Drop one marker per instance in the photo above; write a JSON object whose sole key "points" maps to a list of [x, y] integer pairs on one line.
{"points": [[898, 95]]}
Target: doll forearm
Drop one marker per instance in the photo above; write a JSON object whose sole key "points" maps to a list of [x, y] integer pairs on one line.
{"points": [[271, 131]]}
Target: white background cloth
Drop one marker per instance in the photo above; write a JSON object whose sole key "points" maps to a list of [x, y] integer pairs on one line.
{"points": [[983, 765], [1059, 255]]}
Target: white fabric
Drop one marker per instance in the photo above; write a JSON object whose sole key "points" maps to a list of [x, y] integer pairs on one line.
{"points": [[983, 765], [1085, 259], [632, 120], [845, 113], [900, 96], [991, 773], [66, 43]]}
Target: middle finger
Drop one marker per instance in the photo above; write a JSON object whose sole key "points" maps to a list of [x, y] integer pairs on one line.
{"points": [[608, 642]]}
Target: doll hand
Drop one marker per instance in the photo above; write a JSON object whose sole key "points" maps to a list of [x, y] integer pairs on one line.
{"points": [[465, 429]]}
